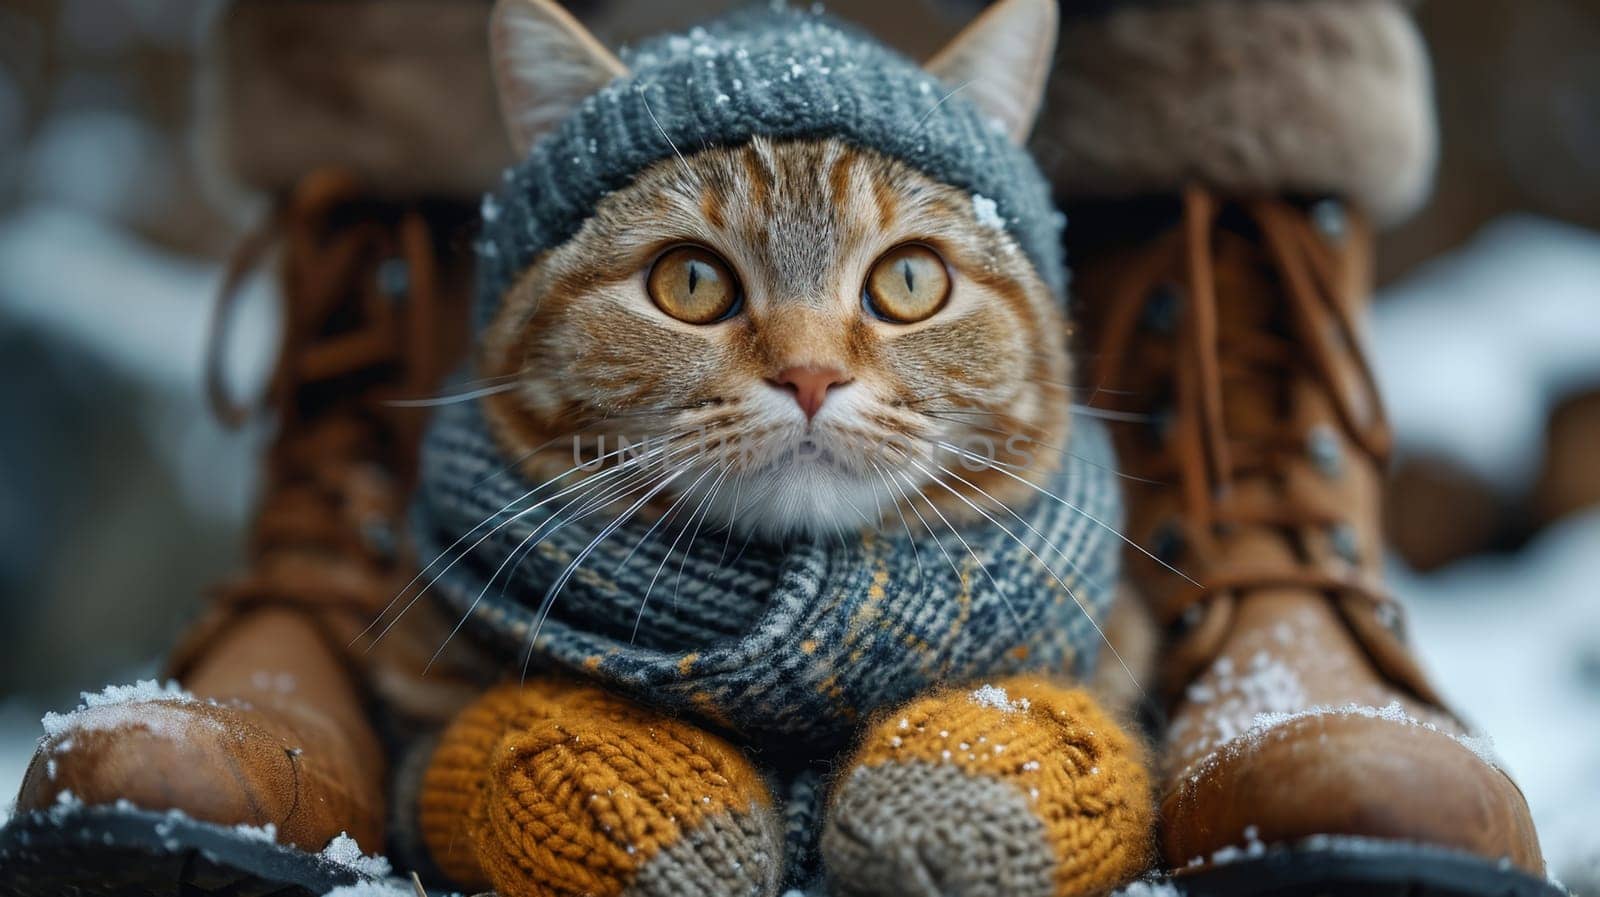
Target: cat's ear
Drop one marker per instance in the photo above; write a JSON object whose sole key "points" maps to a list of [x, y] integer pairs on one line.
{"points": [[1002, 60], [545, 63]]}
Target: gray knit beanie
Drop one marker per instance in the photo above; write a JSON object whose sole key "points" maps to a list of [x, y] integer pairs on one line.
{"points": [[768, 72]]}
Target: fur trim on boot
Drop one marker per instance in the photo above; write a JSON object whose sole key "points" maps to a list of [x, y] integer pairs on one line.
{"points": [[396, 91], [1309, 96]]}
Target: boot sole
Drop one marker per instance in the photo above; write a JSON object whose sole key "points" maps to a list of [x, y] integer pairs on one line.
{"points": [[109, 850], [1358, 867]]}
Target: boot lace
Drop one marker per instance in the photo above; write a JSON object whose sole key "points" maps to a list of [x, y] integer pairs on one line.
{"points": [[1205, 449], [361, 315]]}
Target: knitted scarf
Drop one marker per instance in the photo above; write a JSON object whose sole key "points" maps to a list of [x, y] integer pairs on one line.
{"points": [[790, 645]]}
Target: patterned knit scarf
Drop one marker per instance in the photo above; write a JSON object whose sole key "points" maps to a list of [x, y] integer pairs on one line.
{"points": [[787, 646]]}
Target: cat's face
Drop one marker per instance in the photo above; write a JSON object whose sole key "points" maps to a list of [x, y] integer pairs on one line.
{"points": [[808, 336], [821, 319]]}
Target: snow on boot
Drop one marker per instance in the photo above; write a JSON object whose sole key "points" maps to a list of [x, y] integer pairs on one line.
{"points": [[292, 703], [1297, 717], [265, 771], [1306, 752]]}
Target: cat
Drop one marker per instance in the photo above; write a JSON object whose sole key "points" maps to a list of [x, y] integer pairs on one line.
{"points": [[769, 282]]}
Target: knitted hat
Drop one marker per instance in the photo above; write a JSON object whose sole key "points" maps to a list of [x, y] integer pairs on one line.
{"points": [[769, 72]]}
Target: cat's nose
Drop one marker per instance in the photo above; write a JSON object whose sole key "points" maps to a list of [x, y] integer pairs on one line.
{"points": [[809, 385]]}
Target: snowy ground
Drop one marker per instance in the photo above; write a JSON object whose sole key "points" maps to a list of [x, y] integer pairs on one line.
{"points": [[1474, 348], [1471, 352], [1515, 644]]}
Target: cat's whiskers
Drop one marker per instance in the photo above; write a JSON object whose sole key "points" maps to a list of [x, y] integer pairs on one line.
{"points": [[1072, 564], [523, 457], [733, 519], [614, 492], [555, 589], [667, 555], [910, 537], [649, 531], [694, 176], [1055, 448], [877, 498], [539, 534], [588, 482], [942, 100], [1054, 497], [913, 402], [453, 398], [1029, 549], [704, 510], [458, 542], [1005, 599], [1133, 417]]}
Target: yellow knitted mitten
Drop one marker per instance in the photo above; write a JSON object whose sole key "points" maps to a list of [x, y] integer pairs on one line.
{"points": [[1018, 789], [557, 788]]}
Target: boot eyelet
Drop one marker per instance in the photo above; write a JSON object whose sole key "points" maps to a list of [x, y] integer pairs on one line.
{"points": [[1166, 543], [1345, 542], [394, 278], [1185, 624], [1161, 309], [1329, 218], [1322, 445], [379, 537], [1390, 618], [1162, 422]]}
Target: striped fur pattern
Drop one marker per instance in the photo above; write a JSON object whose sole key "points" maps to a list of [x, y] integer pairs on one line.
{"points": [[801, 223]]}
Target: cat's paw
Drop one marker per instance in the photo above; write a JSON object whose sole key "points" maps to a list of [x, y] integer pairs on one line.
{"points": [[1019, 789], [585, 793]]}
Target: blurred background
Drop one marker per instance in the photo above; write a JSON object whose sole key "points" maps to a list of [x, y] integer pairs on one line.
{"points": [[121, 498]]}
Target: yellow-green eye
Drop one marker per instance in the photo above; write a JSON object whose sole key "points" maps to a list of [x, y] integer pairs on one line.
{"points": [[908, 284], [693, 285]]}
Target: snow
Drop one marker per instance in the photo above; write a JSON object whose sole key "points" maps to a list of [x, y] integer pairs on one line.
{"points": [[113, 696], [162, 719], [1393, 712], [372, 889], [1471, 352], [987, 213], [1150, 888], [1473, 349], [267, 833], [140, 690], [344, 850], [1511, 639], [57, 268], [995, 697], [1235, 699], [106, 163], [266, 680]]}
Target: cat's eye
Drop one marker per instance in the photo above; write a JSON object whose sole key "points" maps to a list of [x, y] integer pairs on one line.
{"points": [[907, 284], [692, 284]]}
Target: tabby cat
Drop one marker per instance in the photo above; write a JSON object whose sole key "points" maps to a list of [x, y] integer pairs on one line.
{"points": [[775, 505]]}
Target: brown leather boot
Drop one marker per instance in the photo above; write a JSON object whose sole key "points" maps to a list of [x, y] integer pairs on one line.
{"points": [[1305, 751], [275, 731], [1223, 341]]}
